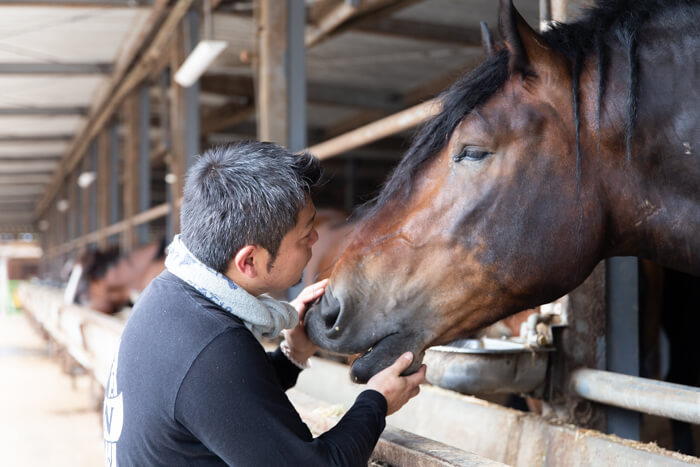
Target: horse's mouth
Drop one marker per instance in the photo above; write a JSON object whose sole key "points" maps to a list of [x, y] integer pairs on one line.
{"points": [[382, 355]]}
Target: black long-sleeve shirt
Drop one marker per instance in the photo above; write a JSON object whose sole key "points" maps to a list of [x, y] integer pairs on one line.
{"points": [[192, 386]]}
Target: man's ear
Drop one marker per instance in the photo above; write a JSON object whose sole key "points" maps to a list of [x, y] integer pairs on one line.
{"points": [[244, 261]]}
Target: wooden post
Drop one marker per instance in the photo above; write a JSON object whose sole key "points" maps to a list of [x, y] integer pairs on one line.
{"points": [[114, 174], [558, 10], [184, 113], [191, 94], [130, 171], [144, 165], [177, 128], [581, 343], [272, 99], [52, 235], [103, 182], [85, 193], [165, 128], [296, 76], [65, 222], [73, 208], [622, 339], [92, 202]]}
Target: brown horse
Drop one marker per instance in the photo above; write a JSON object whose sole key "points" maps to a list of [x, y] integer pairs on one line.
{"points": [[560, 150]]}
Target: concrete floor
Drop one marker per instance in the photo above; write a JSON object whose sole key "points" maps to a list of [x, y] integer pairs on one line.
{"points": [[48, 418]]}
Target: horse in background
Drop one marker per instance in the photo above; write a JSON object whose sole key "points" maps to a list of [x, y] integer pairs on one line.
{"points": [[111, 281]]}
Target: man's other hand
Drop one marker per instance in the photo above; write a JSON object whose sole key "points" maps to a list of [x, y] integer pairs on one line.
{"points": [[397, 389], [300, 346]]}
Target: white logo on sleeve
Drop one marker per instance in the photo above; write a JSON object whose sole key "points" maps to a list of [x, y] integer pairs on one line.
{"points": [[113, 415]]}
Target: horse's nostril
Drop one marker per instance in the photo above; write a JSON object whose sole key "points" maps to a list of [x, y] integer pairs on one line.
{"points": [[330, 310], [330, 315]]}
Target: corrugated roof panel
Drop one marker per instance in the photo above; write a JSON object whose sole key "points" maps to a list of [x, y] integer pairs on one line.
{"points": [[56, 34], [39, 125]]}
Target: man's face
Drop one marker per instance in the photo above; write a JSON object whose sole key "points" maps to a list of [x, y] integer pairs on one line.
{"points": [[294, 252]]}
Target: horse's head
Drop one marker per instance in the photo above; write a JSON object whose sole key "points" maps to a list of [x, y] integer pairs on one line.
{"points": [[111, 280], [482, 218]]}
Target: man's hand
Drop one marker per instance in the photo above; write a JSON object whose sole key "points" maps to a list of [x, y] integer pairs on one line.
{"points": [[397, 389], [300, 346]]}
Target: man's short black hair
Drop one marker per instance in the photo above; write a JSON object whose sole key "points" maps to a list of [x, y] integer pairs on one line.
{"points": [[244, 193]]}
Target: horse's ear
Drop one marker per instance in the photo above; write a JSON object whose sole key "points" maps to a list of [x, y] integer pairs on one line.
{"points": [[529, 52], [490, 46], [486, 39]]}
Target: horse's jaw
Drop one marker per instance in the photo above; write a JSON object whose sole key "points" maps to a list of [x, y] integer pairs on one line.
{"points": [[383, 354]]}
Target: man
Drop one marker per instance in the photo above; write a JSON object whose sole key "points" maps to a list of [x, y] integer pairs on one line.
{"points": [[191, 384]]}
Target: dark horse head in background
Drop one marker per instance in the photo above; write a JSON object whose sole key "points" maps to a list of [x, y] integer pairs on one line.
{"points": [[558, 151], [110, 281]]}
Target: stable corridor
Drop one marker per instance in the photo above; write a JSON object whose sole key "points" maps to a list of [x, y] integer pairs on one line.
{"points": [[48, 418]]}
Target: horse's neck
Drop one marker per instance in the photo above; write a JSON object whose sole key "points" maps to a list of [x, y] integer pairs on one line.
{"points": [[656, 199]]}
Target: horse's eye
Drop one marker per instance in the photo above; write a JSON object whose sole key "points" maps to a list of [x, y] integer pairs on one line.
{"points": [[471, 153]]}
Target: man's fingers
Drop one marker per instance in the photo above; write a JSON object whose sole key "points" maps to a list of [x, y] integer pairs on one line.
{"points": [[418, 377], [313, 291], [401, 363]]}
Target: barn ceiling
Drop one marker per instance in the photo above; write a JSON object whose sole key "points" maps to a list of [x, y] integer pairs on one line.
{"points": [[57, 58]]}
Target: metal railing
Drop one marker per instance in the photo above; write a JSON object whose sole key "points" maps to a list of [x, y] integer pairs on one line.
{"points": [[640, 394]]}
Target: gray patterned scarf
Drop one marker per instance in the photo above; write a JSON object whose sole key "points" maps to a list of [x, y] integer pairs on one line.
{"points": [[263, 316]]}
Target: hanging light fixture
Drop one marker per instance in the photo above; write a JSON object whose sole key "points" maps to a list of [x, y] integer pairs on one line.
{"points": [[203, 54], [85, 179], [62, 205]]}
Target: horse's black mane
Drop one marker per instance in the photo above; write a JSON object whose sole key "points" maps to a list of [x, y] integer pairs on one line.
{"points": [[608, 20]]}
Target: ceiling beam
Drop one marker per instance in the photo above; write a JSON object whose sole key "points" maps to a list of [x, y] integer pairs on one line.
{"points": [[31, 151], [32, 139], [53, 158], [223, 117], [56, 68], [317, 92], [228, 85], [80, 3], [15, 218], [11, 198], [50, 111], [414, 96], [21, 191], [337, 17], [28, 167], [419, 30], [404, 120], [16, 227], [346, 96], [24, 179], [8, 224]]}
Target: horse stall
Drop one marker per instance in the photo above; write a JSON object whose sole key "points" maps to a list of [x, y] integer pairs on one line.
{"points": [[598, 366]]}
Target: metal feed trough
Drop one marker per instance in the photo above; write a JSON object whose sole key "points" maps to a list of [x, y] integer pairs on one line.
{"points": [[488, 366], [520, 365]]}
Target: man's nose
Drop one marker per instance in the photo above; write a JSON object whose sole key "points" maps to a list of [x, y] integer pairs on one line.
{"points": [[314, 237]]}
